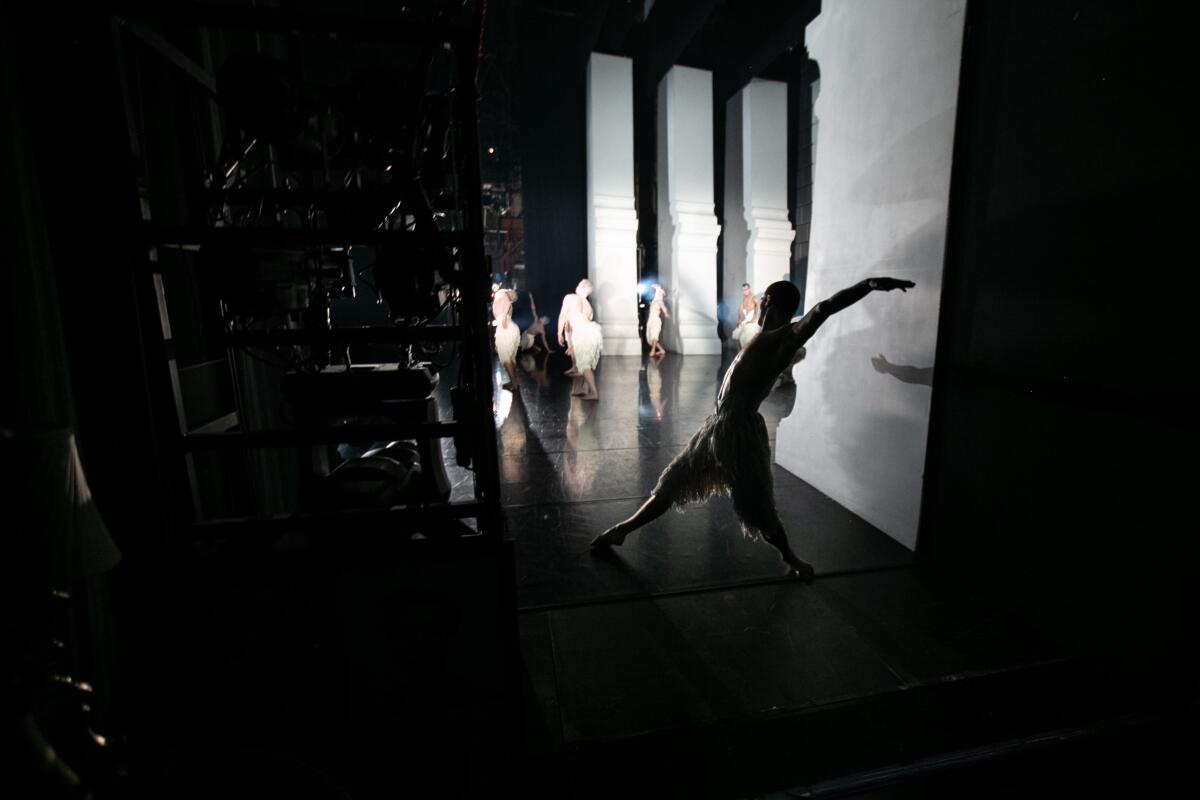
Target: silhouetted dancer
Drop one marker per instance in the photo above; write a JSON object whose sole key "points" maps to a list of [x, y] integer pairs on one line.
{"points": [[731, 452]]}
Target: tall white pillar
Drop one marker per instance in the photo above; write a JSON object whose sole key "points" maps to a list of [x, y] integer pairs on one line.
{"points": [[688, 229], [612, 220], [758, 234], [736, 233], [764, 176]]}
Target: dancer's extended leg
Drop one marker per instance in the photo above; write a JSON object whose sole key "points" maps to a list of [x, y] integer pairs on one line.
{"points": [[652, 509], [753, 493], [778, 539]]}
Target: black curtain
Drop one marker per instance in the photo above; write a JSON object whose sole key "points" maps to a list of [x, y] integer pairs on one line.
{"points": [[550, 111], [1062, 405], [38, 388]]}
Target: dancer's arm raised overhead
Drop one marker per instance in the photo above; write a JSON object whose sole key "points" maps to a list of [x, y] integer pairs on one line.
{"points": [[802, 330]]}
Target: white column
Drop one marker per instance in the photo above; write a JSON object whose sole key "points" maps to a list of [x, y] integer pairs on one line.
{"points": [[889, 88], [764, 176], [758, 234], [612, 221], [688, 229], [736, 234]]}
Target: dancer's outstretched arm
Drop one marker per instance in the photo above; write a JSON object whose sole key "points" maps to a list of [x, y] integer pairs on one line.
{"points": [[802, 330]]}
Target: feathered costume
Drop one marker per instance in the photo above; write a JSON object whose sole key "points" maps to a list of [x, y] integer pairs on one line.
{"points": [[585, 336], [747, 328], [654, 323], [508, 335]]}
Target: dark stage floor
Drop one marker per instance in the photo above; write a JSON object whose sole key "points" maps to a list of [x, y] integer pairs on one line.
{"points": [[689, 645], [571, 468]]}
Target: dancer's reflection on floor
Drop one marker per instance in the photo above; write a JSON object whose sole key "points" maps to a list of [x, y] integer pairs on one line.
{"points": [[534, 365], [579, 474], [513, 439], [654, 383]]}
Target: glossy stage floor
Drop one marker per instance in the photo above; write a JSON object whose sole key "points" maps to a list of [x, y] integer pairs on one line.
{"points": [[690, 646], [571, 468]]}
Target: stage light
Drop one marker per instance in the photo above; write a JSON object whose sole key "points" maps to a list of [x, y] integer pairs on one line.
{"points": [[491, 151]]}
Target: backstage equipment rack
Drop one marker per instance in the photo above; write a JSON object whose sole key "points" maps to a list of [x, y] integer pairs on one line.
{"points": [[473, 424]]}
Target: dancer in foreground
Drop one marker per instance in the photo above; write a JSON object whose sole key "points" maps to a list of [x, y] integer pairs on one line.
{"points": [[748, 324], [654, 322], [731, 452], [508, 335], [576, 326]]}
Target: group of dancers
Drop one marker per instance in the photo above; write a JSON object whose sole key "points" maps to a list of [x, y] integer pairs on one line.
{"points": [[731, 452], [581, 335]]}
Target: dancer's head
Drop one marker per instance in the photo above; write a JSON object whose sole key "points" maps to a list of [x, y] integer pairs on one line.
{"points": [[781, 300], [584, 288], [745, 290]]}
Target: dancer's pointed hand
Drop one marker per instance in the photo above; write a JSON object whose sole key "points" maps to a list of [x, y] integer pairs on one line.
{"points": [[613, 537]]}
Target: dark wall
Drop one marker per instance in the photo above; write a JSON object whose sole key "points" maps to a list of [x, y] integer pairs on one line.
{"points": [[1061, 423], [37, 385], [81, 167], [88, 189], [550, 106]]}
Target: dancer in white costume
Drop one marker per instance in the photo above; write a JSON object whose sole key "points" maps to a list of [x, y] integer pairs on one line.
{"points": [[508, 335], [654, 322], [748, 326], [731, 452], [575, 325]]}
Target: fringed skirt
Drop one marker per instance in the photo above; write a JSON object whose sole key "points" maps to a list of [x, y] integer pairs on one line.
{"points": [[508, 340], [653, 328], [730, 454], [586, 341], [745, 332]]}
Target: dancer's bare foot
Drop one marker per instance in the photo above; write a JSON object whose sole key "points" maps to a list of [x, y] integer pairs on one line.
{"points": [[613, 537], [802, 570], [591, 397], [507, 386]]}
